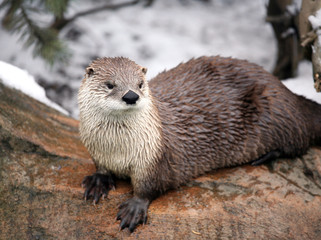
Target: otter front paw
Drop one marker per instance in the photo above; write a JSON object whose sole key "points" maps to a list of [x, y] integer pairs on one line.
{"points": [[98, 185], [133, 212]]}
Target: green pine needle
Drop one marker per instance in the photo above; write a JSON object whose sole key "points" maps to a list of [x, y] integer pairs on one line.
{"points": [[44, 41], [57, 7]]}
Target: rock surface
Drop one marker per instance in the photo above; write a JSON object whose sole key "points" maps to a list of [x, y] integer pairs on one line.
{"points": [[42, 164]]}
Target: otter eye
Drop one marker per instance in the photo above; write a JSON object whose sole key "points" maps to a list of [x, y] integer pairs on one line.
{"points": [[110, 86], [140, 85]]}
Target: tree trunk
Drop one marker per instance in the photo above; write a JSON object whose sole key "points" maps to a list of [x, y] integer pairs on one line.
{"points": [[284, 25], [311, 39]]}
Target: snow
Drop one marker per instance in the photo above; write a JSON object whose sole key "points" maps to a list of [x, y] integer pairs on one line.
{"points": [[19, 79], [315, 20], [294, 7], [159, 37], [303, 84], [316, 24]]}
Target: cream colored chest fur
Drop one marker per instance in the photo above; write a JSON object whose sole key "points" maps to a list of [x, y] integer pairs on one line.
{"points": [[125, 146]]}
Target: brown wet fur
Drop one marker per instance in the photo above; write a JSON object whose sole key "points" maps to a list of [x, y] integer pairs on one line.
{"points": [[219, 112]]}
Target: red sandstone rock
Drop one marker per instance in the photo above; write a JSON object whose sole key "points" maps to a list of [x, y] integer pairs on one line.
{"points": [[42, 164]]}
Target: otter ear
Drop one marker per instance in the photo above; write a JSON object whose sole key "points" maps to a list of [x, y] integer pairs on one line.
{"points": [[144, 70], [89, 71]]}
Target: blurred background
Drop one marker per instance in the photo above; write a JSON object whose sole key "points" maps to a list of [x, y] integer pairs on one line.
{"points": [[55, 40]]}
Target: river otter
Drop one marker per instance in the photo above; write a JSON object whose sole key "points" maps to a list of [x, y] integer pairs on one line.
{"points": [[208, 113]]}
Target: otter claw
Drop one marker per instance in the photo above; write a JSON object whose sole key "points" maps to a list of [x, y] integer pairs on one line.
{"points": [[97, 185], [132, 213]]}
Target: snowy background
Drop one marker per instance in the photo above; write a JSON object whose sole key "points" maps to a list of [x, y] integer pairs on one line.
{"points": [[158, 37]]}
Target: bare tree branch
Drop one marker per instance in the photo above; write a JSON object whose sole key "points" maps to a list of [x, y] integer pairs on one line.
{"points": [[60, 23]]}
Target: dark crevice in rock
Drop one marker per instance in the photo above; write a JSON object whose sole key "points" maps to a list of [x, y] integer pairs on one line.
{"points": [[13, 143], [296, 184], [310, 171]]}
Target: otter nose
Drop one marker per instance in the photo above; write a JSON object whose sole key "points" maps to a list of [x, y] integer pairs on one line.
{"points": [[130, 97]]}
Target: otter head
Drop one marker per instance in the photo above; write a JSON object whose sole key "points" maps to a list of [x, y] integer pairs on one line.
{"points": [[114, 86]]}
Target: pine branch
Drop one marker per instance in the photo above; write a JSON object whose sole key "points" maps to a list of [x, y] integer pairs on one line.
{"points": [[105, 7], [60, 23], [57, 7], [45, 41], [9, 16]]}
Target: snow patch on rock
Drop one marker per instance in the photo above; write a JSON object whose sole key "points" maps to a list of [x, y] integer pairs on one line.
{"points": [[21, 80]]}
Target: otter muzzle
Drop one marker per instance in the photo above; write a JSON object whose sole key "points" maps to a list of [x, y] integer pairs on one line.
{"points": [[130, 97]]}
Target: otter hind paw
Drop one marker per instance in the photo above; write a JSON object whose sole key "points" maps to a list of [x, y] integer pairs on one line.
{"points": [[132, 213], [269, 156], [97, 185]]}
